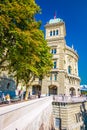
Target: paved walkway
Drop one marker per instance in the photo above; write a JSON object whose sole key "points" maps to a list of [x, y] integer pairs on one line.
{"points": [[16, 102]]}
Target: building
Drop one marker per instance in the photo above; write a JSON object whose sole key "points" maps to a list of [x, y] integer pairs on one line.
{"points": [[64, 78]]}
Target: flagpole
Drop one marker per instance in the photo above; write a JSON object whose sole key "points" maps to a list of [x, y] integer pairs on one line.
{"points": [[55, 15]]}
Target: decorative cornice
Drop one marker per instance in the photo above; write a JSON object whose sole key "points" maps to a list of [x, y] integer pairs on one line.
{"points": [[54, 24], [72, 50]]}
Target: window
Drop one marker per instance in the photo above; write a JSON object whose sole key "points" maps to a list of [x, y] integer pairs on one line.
{"points": [[69, 69], [53, 51], [56, 32], [51, 77], [50, 33], [53, 32], [58, 123], [55, 77], [54, 64], [8, 85]]}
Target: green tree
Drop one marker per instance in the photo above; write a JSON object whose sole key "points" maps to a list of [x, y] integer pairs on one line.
{"points": [[24, 51], [16, 18]]}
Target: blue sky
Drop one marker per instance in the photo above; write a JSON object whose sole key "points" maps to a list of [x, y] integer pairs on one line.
{"points": [[74, 14]]}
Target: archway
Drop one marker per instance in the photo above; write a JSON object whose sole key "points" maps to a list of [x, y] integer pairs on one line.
{"points": [[72, 91], [52, 90], [36, 89]]}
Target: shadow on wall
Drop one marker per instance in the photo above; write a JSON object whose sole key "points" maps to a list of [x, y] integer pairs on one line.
{"points": [[49, 125], [7, 84], [84, 116]]}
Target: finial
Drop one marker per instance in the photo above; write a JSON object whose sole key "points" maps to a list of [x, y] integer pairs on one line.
{"points": [[72, 46], [76, 51]]}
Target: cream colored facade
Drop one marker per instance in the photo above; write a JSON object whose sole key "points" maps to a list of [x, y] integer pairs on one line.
{"points": [[70, 115], [64, 78]]}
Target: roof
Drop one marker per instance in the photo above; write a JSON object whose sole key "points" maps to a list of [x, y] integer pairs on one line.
{"points": [[55, 20]]}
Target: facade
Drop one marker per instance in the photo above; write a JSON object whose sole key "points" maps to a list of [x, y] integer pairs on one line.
{"points": [[64, 78], [70, 115]]}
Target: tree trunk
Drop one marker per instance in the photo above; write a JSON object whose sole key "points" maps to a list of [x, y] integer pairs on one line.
{"points": [[27, 93]]}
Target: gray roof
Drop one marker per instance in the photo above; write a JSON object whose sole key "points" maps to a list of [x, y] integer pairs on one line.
{"points": [[55, 20]]}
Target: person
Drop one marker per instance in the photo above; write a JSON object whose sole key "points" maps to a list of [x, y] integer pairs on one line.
{"points": [[16, 92], [24, 93], [21, 94], [39, 94], [63, 97], [3, 97], [7, 97], [29, 95], [53, 97]]}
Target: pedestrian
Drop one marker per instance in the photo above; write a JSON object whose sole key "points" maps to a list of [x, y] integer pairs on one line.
{"points": [[39, 94], [16, 92], [7, 97], [21, 95], [63, 97], [53, 97], [3, 97], [29, 95]]}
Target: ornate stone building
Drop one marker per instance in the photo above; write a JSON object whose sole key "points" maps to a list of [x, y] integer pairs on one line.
{"points": [[64, 78]]}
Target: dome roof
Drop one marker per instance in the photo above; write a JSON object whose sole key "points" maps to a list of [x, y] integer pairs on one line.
{"points": [[56, 20]]}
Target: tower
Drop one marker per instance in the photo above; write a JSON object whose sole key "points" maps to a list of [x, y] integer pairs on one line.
{"points": [[55, 36], [61, 76]]}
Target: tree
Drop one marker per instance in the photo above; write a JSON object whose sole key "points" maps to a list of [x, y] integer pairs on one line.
{"points": [[23, 47], [16, 18], [35, 60]]}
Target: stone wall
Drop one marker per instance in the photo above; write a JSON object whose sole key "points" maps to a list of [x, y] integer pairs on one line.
{"points": [[30, 115], [73, 115]]}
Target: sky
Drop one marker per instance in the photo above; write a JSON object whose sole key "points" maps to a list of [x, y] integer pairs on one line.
{"points": [[74, 14]]}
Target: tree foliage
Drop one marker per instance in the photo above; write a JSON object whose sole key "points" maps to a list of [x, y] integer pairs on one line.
{"points": [[23, 49]]}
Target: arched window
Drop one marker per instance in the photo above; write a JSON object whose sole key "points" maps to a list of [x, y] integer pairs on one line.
{"points": [[69, 69], [8, 85], [55, 64], [53, 32], [56, 32], [53, 51], [50, 33]]}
